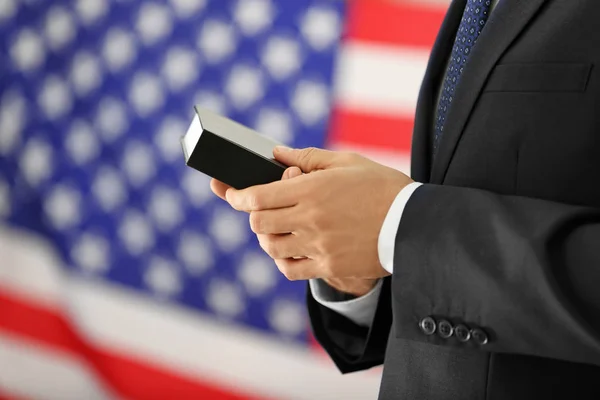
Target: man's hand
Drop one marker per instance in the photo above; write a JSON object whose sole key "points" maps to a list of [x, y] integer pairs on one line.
{"points": [[324, 224]]}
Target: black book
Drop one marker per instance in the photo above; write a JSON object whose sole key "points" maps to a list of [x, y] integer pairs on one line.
{"points": [[230, 152]]}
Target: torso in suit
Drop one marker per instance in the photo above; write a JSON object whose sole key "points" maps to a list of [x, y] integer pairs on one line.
{"points": [[504, 235]]}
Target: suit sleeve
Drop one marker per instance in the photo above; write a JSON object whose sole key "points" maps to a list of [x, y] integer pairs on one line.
{"points": [[352, 347], [525, 270]]}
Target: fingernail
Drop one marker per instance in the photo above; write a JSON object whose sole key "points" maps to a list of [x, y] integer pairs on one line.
{"points": [[282, 149]]}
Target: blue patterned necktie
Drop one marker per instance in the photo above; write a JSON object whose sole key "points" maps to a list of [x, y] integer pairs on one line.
{"points": [[474, 18]]}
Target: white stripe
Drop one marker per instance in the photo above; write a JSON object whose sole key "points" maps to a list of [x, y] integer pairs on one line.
{"points": [[380, 79], [31, 371], [187, 343]]}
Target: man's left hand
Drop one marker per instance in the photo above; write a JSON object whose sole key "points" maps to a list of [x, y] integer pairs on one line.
{"points": [[325, 223]]}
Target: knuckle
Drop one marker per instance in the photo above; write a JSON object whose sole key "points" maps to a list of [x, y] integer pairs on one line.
{"points": [[256, 222], [254, 202]]}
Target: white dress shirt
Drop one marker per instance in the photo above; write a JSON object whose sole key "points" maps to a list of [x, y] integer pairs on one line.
{"points": [[361, 310]]}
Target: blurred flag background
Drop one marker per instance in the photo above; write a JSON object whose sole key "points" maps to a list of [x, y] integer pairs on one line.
{"points": [[121, 276]]}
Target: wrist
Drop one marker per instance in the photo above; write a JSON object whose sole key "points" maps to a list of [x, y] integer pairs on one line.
{"points": [[352, 286]]}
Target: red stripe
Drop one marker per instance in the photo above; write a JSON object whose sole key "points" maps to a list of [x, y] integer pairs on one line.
{"points": [[394, 22], [363, 129], [127, 377]]}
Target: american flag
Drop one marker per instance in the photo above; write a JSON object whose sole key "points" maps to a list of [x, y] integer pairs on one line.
{"points": [[121, 275]]}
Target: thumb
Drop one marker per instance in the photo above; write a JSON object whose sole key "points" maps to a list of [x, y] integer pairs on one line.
{"points": [[291, 172], [307, 160]]}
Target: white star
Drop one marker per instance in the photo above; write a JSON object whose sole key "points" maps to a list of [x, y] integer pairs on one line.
{"points": [[146, 93], [281, 56], [136, 233], [36, 161], [216, 40], [90, 253], [108, 189], [165, 208], [7, 9], [62, 207], [311, 102], [229, 229], [253, 16], [5, 206], [55, 98], [275, 124], [321, 27], [154, 23], [197, 187], [287, 317], [138, 163], [212, 101], [225, 298], [13, 114], [180, 68], [119, 49], [86, 74], [111, 118], [187, 8], [244, 86], [27, 51], [60, 28], [195, 252], [90, 11], [258, 273], [167, 138], [162, 277], [81, 143]]}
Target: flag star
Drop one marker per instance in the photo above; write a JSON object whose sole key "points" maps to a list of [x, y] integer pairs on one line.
{"points": [[90, 253], [162, 277], [36, 161], [13, 113], [197, 187], [108, 189], [244, 86], [86, 73], [111, 118], [90, 11], [60, 28], [146, 93], [8, 8], [281, 56], [253, 16], [225, 298], [165, 208], [212, 101], [28, 51], [195, 252], [5, 203], [258, 273], [119, 49], [187, 8], [321, 27], [136, 233], [138, 163], [62, 207], [287, 317], [311, 102], [180, 68], [154, 23], [81, 143], [55, 98], [275, 124], [216, 40], [229, 229], [167, 138]]}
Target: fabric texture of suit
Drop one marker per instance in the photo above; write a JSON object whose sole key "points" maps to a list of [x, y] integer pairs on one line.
{"points": [[505, 232]]}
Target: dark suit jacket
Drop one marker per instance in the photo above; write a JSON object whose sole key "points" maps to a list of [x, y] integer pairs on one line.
{"points": [[505, 233]]}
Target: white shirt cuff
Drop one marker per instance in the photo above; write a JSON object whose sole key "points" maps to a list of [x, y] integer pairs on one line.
{"points": [[360, 310], [389, 229]]}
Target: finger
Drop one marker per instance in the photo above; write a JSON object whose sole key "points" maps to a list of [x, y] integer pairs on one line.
{"points": [[308, 159], [219, 188], [283, 246], [298, 269], [274, 222], [291, 172], [273, 195]]}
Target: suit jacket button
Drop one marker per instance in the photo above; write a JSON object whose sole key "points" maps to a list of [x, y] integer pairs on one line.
{"points": [[480, 337], [462, 333], [428, 325], [445, 329]]}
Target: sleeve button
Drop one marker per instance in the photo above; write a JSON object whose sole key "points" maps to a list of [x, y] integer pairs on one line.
{"points": [[462, 333], [428, 326], [445, 329], [480, 337]]}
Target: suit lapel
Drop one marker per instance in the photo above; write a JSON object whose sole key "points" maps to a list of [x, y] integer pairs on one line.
{"points": [[506, 22]]}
